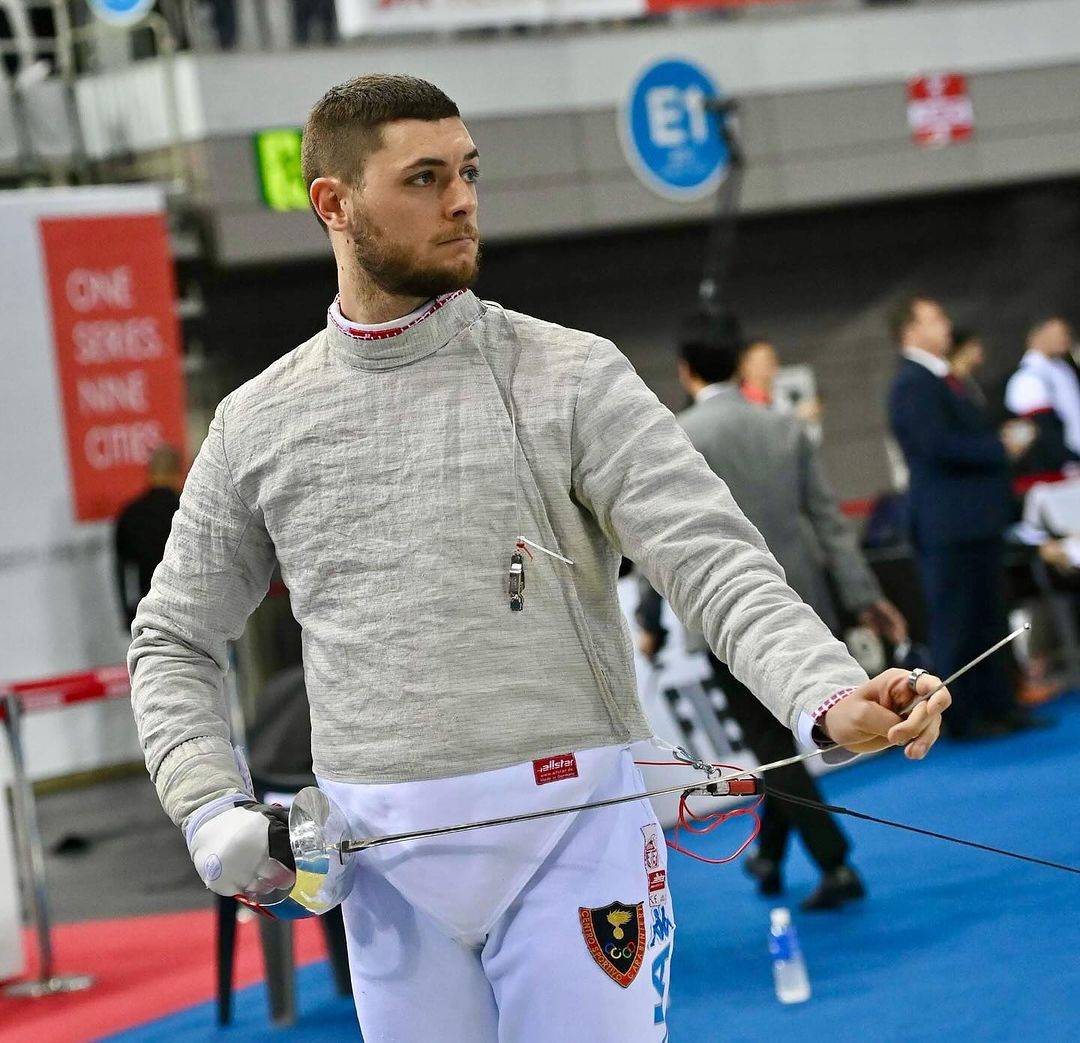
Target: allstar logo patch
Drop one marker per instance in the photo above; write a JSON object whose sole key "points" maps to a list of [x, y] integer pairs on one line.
{"points": [[615, 936]]}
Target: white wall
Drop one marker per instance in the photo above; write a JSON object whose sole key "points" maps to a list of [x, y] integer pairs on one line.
{"points": [[58, 608]]}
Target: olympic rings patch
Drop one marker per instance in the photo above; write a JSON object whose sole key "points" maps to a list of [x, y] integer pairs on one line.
{"points": [[615, 936]]}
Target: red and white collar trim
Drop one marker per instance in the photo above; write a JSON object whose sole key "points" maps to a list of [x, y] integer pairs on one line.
{"points": [[385, 330]]}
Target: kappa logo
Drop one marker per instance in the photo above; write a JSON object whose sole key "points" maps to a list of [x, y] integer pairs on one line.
{"points": [[661, 928], [615, 935]]}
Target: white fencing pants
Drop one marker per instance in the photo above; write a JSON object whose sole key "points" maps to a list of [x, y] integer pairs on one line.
{"points": [[582, 953]]}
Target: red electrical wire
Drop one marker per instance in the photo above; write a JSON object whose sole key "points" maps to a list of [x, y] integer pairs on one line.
{"points": [[687, 819]]}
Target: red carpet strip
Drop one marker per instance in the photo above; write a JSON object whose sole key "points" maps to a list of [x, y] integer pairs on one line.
{"points": [[144, 968]]}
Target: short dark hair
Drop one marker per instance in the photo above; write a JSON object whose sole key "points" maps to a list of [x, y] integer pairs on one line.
{"points": [[712, 362], [345, 125], [902, 314], [1045, 320], [709, 343]]}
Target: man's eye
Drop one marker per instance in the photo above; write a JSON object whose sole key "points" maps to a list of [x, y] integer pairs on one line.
{"points": [[471, 174]]}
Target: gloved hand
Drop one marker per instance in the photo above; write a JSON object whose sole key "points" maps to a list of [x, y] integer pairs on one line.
{"points": [[243, 848]]}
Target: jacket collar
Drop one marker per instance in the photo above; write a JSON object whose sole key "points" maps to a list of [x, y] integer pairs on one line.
{"points": [[389, 345], [938, 366]]}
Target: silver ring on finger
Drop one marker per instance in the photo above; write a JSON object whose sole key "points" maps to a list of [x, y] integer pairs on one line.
{"points": [[913, 679]]}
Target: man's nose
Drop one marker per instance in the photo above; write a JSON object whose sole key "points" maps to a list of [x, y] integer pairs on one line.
{"points": [[461, 200]]}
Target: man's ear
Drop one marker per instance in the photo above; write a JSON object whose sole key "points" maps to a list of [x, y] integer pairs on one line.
{"points": [[329, 198]]}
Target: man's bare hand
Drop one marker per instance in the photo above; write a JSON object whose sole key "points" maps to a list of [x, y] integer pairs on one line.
{"points": [[1017, 435], [648, 643], [1054, 553], [869, 718], [884, 618]]}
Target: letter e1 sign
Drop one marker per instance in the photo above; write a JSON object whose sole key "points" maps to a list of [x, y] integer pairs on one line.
{"points": [[670, 138]]}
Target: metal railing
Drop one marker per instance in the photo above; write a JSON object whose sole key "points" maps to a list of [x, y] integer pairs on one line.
{"points": [[69, 99]]}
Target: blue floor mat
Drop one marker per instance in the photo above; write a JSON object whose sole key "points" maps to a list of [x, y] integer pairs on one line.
{"points": [[951, 944]]}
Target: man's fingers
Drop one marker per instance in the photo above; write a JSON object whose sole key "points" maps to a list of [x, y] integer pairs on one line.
{"points": [[923, 723], [925, 683], [870, 719], [920, 747]]}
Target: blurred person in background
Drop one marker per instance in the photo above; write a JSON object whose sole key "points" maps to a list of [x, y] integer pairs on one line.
{"points": [[966, 357], [1044, 456], [960, 506], [143, 526], [1045, 391], [222, 17], [394, 466], [314, 21], [756, 373], [28, 38], [775, 475]]}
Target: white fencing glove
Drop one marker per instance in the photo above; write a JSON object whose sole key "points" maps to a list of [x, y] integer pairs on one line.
{"points": [[240, 847]]}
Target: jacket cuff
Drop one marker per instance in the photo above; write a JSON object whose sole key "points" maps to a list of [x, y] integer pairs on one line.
{"points": [[810, 733], [197, 772]]}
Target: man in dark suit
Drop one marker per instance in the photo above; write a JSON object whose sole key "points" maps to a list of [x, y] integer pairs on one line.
{"points": [[960, 507]]}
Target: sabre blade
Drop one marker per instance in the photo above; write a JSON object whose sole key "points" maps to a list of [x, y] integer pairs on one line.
{"points": [[699, 786], [348, 847], [965, 668]]}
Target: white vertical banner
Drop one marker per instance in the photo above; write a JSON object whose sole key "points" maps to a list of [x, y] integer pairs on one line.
{"points": [[59, 610], [358, 17]]}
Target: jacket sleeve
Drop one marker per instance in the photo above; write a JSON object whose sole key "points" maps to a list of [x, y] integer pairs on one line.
{"points": [[216, 569], [656, 498], [857, 585], [919, 419]]}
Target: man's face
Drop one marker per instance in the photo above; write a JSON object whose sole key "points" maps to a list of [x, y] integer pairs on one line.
{"points": [[412, 224], [929, 329], [1053, 339], [759, 366]]}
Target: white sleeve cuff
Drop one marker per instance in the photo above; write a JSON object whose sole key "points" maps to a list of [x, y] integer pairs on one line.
{"points": [[804, 732]]}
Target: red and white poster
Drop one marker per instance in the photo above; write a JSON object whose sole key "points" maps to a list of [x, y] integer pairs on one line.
{"points": [[939, 110], [116, 336]]}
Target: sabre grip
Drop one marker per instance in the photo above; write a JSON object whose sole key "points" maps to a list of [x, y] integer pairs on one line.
{"points": [[278, 831], [241, 847]]}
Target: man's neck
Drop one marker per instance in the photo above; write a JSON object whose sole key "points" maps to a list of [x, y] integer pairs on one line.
{"points": [[699, 389], [370, 310], [367, 304]]}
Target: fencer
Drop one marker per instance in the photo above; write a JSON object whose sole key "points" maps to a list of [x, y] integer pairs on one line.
{"points": [[447, 487]]}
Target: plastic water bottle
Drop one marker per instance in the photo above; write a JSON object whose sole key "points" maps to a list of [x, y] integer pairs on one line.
{"points": [[788, 965]]}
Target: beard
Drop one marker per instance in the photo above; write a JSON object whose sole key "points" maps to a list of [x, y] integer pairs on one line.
{"points": [[395, 269]]}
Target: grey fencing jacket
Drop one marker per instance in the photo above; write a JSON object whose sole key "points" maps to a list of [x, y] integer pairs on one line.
{"points": [[391, 479]]}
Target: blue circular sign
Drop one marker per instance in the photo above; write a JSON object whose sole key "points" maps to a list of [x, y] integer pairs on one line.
{"points": [[671, 139], [121, 12]]}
